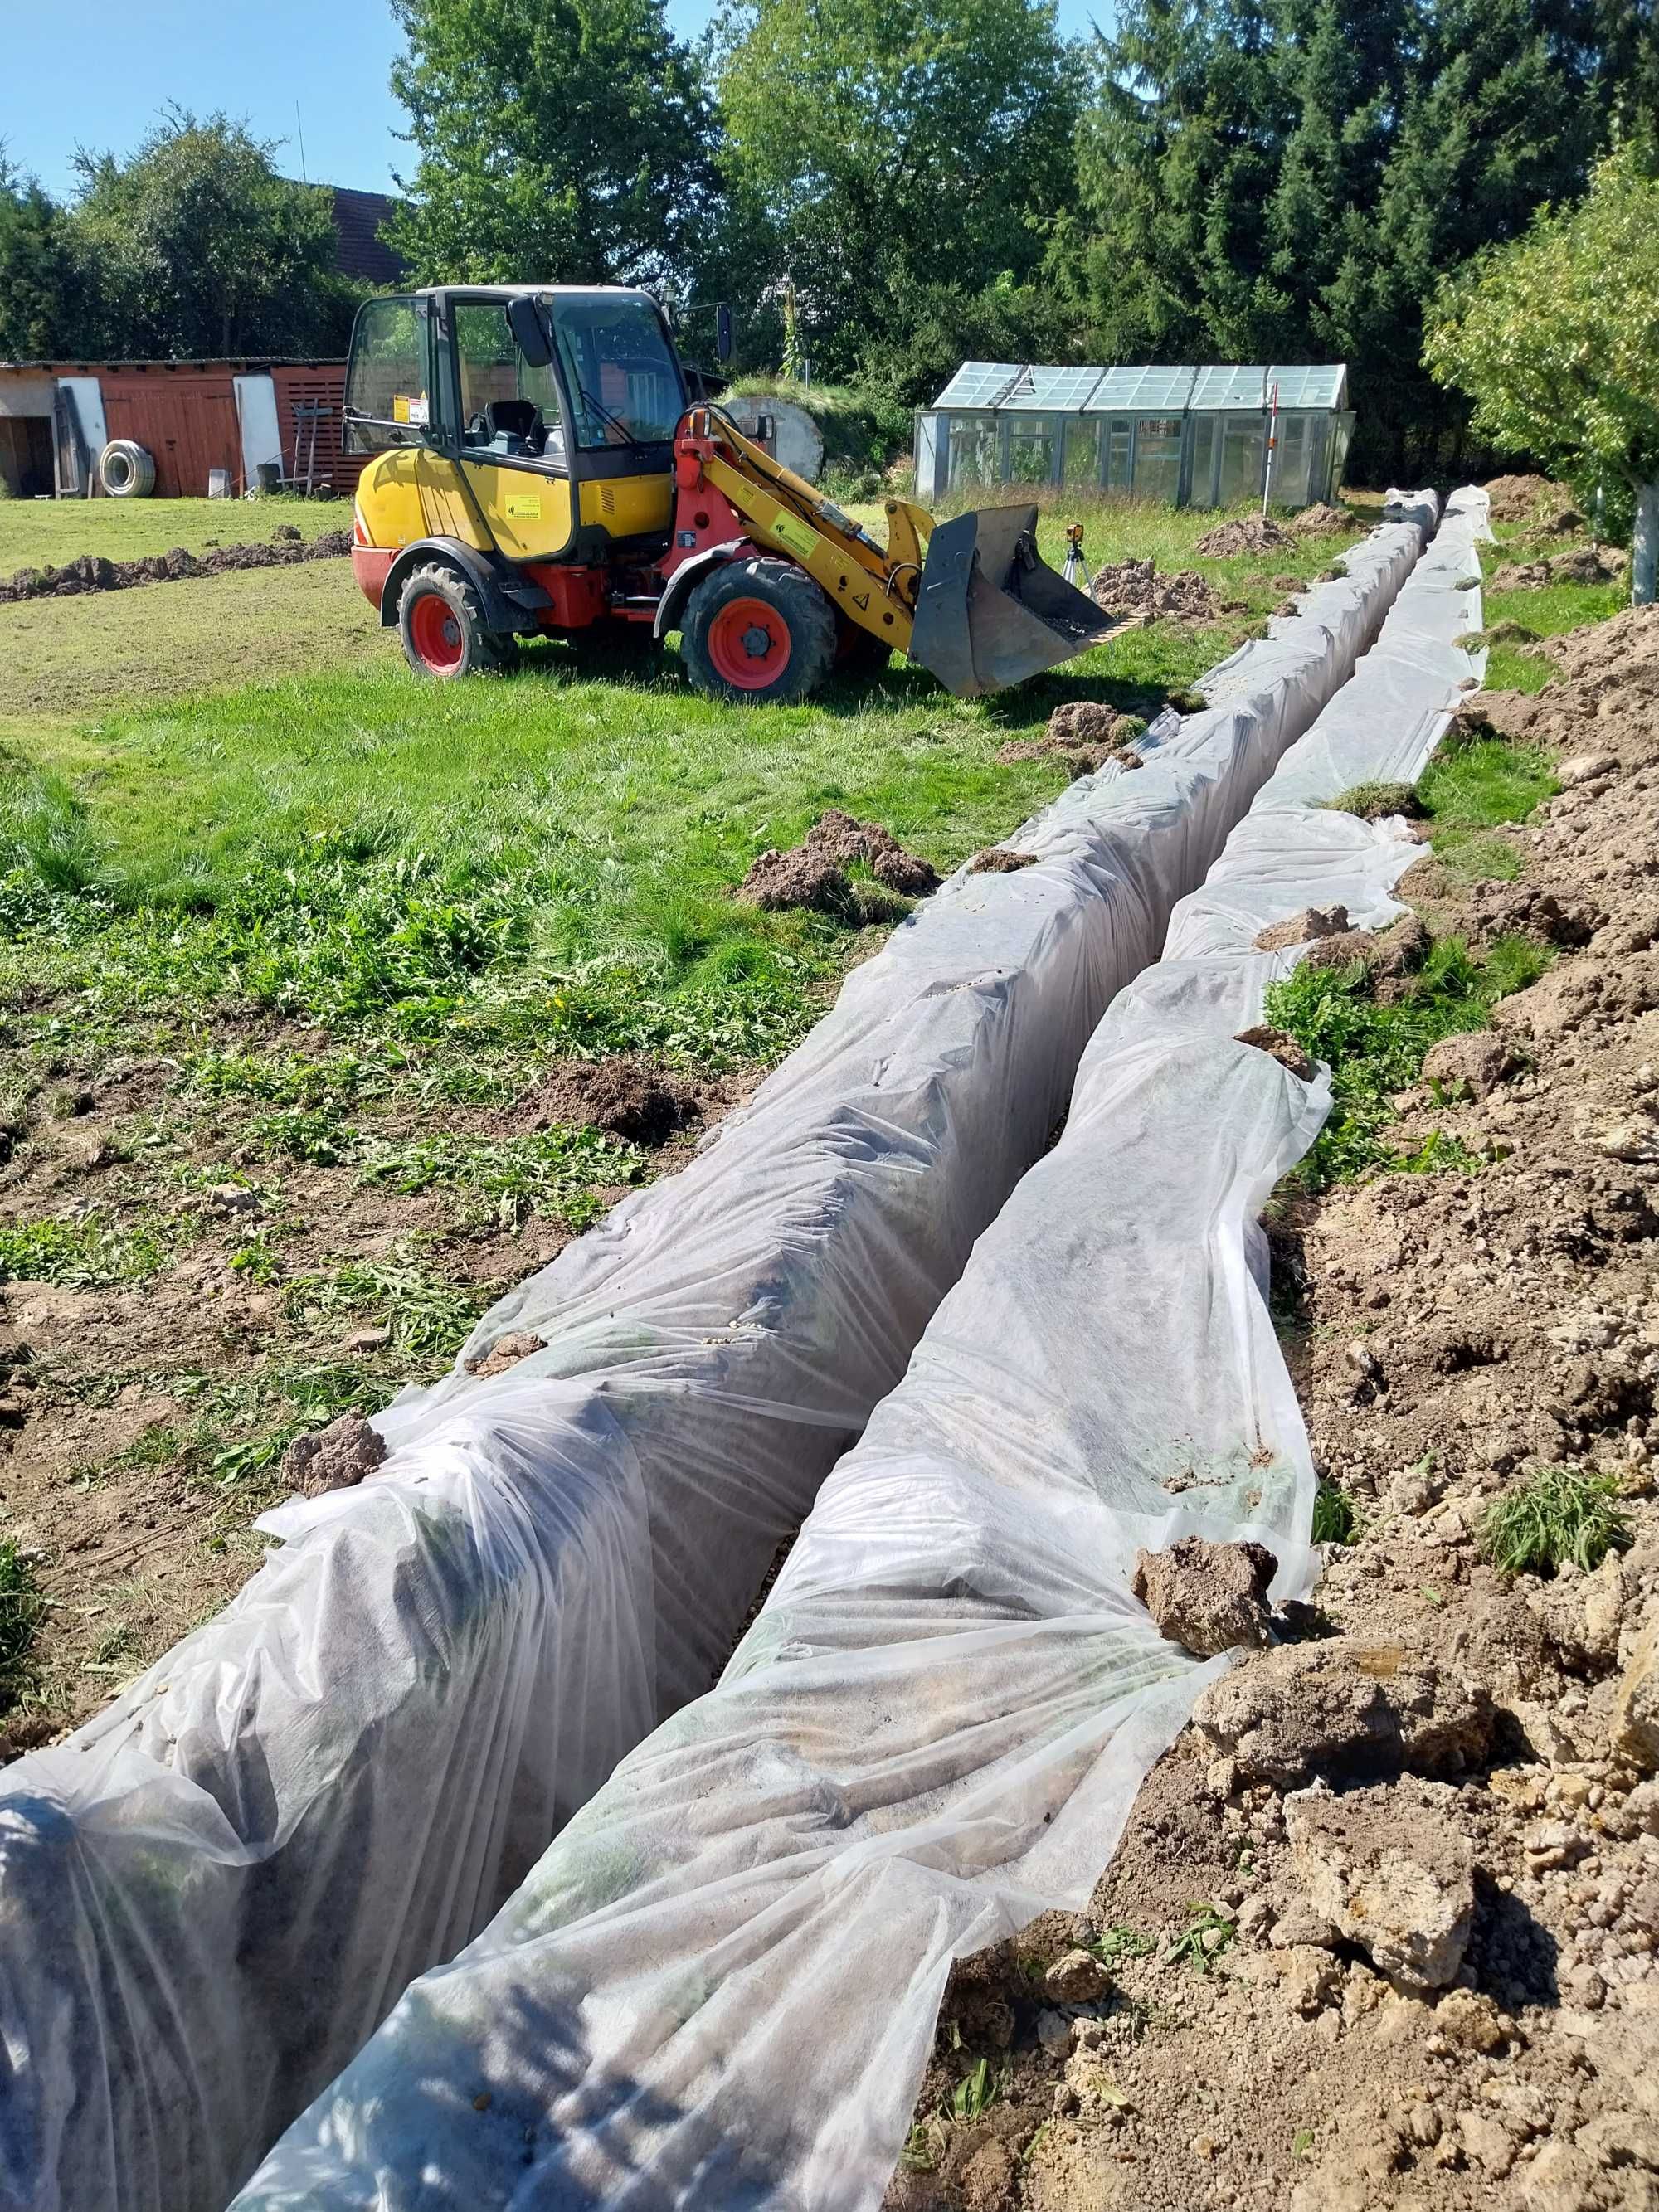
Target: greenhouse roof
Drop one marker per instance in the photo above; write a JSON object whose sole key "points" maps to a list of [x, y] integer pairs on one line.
{"points": [[991, 385]]}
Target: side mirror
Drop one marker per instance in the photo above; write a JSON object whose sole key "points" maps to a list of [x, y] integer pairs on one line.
{"points": [[532, 333], [724, 346]]}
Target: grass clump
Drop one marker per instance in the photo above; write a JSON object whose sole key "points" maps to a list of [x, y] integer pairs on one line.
{"points": [[82, 1253], [1335, 1515], [559, 1172], [1375, 1048], [1558, 1514], [1374, 802], [1202, 1941], [1481, 782], [977, 2091], [23, 1608]]}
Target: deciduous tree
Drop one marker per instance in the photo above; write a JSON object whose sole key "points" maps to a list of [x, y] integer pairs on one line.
{"points": [[1555, 338]]}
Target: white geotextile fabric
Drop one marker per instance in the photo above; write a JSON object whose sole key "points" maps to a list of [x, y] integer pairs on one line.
{"points": [[718, 1988], [210, 1895]]}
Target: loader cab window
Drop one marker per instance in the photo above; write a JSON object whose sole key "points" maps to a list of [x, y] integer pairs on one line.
{"points": [[509, 411], [625, 384]]}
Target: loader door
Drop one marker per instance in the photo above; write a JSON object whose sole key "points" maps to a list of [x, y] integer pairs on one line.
{"points": [[511, 432]]}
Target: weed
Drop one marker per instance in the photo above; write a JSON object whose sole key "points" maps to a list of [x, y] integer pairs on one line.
{"points": [[975, 2093], [1335, 1516], [82, 1252], [1301, 2145], [428, 1316], [1373, 801], [1561, 1513], [559, 1171], [1114, 1945], [1206, 1936], [22, 1607], [921, 2151], [1376, 1049]]}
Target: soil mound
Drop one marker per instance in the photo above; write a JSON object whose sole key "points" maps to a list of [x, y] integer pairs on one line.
{"points": [[1524, 498], [1585, 564], [999, 861], [1136, 594], [1208, 1597], [1322, 520], [814, 873], [334, 1458], [1248, 534], [626, 1096], [91, 572]]}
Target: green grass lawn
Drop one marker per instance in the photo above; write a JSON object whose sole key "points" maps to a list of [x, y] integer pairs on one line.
{"points": [[35, 533], [1548, 611]]}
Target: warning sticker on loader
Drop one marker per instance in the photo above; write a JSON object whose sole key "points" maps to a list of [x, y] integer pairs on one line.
{"points": [[524, 507], [801, 541]]}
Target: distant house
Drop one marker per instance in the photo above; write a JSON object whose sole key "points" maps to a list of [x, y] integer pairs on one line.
{"points": [[362, 253]]}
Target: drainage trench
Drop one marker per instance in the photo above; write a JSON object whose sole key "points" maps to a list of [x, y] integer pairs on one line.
{"points": [[938, 1724], [213, 1893]]}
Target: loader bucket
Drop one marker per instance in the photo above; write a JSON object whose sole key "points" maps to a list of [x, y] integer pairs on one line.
{"points": [[990, 611]]}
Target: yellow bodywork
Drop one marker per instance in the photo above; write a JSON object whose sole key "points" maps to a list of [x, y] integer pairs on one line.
{"points": [[409, 493]]}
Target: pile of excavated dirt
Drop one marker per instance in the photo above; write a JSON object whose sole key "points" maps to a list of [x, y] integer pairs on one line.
{"points": [[1585, 564], [814, 873], [1382, 1931], [1323, 521], [1137, 594], [92, 572], [625, 1096], [1547, 506], [1249, 533], [1084, 734]]}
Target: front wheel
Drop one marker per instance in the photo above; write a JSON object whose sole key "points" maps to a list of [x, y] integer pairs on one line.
{"points": [[759, 633], [441, 621]]}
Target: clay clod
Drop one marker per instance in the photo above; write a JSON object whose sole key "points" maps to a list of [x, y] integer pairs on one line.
{"points": [[334, 1458], [1208, 1597]]}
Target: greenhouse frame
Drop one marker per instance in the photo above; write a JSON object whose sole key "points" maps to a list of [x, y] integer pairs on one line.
{"points": [[1190, 436]]}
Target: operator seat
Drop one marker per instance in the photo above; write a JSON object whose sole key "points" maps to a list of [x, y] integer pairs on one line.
{"points": [[510, 425]]}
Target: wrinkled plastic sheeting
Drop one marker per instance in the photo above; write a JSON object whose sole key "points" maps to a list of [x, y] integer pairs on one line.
{"points": [[210, 1896], [718, 1988]]}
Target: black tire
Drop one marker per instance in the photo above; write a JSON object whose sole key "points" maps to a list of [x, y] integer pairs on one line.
{"points": [[441, 622], [732, 612]]}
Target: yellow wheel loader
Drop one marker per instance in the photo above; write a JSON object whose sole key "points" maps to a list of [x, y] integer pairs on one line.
{"points": [[541, 467]]}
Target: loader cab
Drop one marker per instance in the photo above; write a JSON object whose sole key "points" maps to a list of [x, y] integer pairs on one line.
{"points": [[535, 420]]}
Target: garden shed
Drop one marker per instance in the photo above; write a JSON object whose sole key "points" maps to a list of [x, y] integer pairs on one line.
{"points": [[1192, 436]]}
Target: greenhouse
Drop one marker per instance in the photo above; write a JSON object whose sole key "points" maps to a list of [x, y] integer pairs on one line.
{"points": [[1194, 437]]}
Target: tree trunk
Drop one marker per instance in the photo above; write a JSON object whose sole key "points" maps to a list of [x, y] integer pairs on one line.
{"points": [[1644, 549]]}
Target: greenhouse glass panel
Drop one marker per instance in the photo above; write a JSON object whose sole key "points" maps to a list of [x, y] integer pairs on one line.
{"points": [[1126, 389], [1082, 462], [1201, 489], [974, 458], [1119, 447], [1033, 449], [1243, 453], [979, 384], [1157, 457], [1219, 391], [1048, 391], [1289, 486]]}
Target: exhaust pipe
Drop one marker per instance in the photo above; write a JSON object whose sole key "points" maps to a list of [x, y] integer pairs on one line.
{"points": [[990, 611]]}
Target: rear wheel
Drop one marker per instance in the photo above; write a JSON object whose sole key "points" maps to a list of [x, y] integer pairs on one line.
{"points": [[441, 621], [758, 632]]}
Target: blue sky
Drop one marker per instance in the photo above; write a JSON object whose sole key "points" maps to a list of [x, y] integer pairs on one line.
{"points": [[130, 57]]}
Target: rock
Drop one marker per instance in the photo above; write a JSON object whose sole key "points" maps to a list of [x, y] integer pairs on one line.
{"points": [[1471, 1066], [1053, 2030], [1208, 1597], [1469, 2019], [367, 1340], [1486, 2143], [333, 1458], [230, 1198], [1310, 1979], [1634, 1731], [506, 1351], [1346, 1707], [1621, 2139], [1388, 1866], [1279, 1045], [1077, 1977], [1585, 767], [1561, 2178]]}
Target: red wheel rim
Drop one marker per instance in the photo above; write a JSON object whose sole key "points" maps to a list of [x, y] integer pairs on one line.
{"points": [[749, 644], [435, 631]]}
